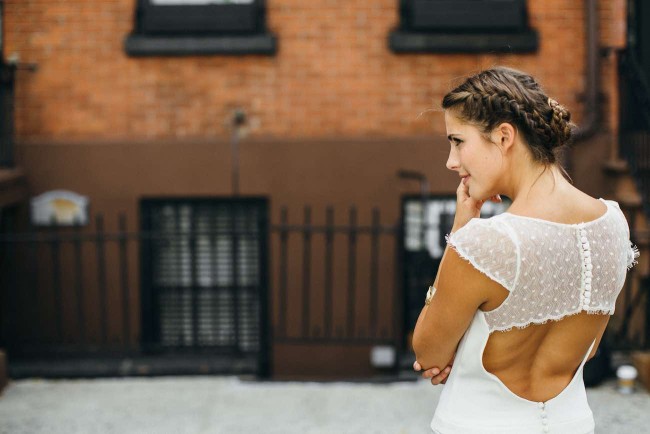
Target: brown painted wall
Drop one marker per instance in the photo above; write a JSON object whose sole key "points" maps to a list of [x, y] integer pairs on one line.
{"points": [[294, 173]]}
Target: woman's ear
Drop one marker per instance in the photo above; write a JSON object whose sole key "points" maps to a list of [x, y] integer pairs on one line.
{"points": [[505, 135]]}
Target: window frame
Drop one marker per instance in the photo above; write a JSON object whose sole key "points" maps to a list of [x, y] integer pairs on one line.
{"points": [[173, 30], [442, 36], [179, 272]]}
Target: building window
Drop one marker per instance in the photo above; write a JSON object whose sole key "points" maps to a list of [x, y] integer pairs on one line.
{"points": [[463, 26], [189, 27], [203, 273]]}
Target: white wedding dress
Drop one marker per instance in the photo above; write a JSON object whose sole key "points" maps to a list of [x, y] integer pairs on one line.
{"points": [[551, 270]]}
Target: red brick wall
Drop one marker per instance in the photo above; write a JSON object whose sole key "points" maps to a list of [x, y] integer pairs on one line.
{"points": [[333, 75]]}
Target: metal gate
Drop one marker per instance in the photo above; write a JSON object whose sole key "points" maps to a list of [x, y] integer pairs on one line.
{"points": [[204, 277]]}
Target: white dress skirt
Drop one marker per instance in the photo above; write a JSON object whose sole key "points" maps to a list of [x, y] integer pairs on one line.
{"points": [[475, 401]]}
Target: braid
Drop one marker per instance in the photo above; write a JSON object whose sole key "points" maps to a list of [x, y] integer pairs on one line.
{"points": [[505, 95], [560, 120]]}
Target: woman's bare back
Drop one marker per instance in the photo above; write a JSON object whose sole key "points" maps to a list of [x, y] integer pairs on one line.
{"points": [[539, 361]]}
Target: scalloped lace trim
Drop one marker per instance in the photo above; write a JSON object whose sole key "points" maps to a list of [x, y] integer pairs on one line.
{"points": [[633, 255], [594, 311]]}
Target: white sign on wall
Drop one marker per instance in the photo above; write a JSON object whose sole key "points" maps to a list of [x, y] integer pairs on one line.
{"points": [[439, 217], [60, 208]]}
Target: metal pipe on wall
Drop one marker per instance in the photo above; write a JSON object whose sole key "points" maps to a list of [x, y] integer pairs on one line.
{"points": [[591, 109]]}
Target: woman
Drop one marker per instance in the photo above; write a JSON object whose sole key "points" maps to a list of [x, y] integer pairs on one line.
{"points": [[521, 299]]}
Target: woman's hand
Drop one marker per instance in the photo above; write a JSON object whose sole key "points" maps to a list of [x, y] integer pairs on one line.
{"points": [[467, 207], [437, 377]]}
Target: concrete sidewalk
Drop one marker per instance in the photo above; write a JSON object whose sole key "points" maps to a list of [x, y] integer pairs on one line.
{"points": [[230, 405]]}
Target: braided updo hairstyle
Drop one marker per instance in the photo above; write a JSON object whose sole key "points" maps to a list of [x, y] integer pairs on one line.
{"points": [[502, 94]]}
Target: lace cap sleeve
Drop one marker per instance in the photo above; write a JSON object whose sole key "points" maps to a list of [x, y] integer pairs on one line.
{"points": [[632, 255], [490, 247], [632, 250]]}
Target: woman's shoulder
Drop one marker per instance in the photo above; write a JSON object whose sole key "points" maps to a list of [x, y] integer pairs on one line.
{"points": [[568, 210]]}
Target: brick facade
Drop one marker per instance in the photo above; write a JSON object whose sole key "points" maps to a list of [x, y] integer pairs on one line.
{"points": [[333, 75], [333, 115]]}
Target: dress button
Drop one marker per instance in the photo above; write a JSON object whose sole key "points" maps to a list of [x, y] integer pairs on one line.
{"points": [[541, 405], [588, 280], [588, 274], [545, 421], [545, 429], [589, 267], [587, 253], [583, 239]]}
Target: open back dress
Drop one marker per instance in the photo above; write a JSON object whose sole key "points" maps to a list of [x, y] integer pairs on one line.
{"points": [[551, 270]]}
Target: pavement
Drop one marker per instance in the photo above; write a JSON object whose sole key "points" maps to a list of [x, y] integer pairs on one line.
{"points": [[233, 405]]}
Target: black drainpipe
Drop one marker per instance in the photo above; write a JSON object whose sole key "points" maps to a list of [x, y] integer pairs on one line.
{"points": [[591, 109], [591, 117]]}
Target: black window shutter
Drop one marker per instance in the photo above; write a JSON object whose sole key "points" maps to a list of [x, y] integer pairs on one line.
{"points": [[465, 15], [243, 18]]}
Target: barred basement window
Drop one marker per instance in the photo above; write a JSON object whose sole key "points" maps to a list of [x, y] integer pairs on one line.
{"points": [[203, 273], [456, 26], [178, 27]]}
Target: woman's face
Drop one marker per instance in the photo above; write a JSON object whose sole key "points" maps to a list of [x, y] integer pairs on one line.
{"points": [[478, 161]]}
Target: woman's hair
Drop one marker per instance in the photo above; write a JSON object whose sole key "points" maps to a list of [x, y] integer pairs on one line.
{"points": [[502, 94]]}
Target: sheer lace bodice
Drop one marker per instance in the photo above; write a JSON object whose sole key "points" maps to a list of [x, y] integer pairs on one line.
{"points": [[550, 269]]}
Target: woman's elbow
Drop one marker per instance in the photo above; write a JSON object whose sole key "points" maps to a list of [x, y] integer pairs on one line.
{"points": [[422, 352], [429, 355]]}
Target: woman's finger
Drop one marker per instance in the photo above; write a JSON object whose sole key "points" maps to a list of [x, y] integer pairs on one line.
{"points": [[462, 192], [431, 373], [435, 372], [441, 378], [416, 366]]}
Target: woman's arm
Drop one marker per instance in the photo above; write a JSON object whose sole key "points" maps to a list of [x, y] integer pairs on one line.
{"points": [[460, 290], [441, 325], [437, 374]]}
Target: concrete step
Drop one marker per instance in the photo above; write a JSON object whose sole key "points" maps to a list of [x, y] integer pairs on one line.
{"points": [[92, 367]]}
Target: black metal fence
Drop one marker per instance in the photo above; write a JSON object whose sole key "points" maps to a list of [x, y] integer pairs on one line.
{"points": [[68, 290], [347, 289], [215, 278], [199, 276], [87, 292]]}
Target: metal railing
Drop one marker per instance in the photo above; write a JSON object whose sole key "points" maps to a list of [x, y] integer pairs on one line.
{"points": [[78, 292], [363, 283], [56, 285]]}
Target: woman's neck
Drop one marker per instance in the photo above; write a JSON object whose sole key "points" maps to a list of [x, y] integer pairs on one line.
{"points": [[536, 182]]}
